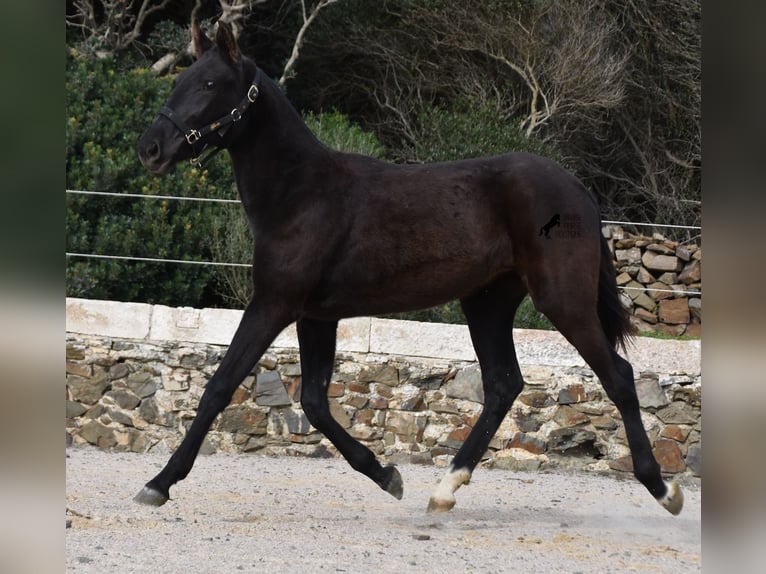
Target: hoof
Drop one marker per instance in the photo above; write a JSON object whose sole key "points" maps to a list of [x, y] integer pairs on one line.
{"points": [[673, 501], [440, 505], [395, 485], [150, 497]]}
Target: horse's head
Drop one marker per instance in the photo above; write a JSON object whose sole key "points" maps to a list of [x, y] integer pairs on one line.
{"points": [[208, 98]]}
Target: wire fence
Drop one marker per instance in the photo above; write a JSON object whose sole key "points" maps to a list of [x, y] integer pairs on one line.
{"points": [[248, 265]]}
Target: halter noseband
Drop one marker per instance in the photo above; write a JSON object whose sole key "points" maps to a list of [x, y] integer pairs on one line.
{"points": [[221, 125]]}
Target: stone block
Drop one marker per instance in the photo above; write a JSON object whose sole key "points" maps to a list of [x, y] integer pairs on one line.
{"points": [[79, 369], [659, 291], [404, 425], [178, 381], [668, 278], [657, 262], [142, 384], [384, 373], [645, 301], [683, 253], [378, 402], [694, 330], [566, 416], [409, 398], [643, 276], [74, 409], [629, 256], [340, 414], [123, 399], [527, 442], [296, 422], [645, 315], [336, 389], [668, 456], [108, 318], [241, 394], [674, 311], [650, 392], [243, 419], [564, 439], [270, 391], [695, 307], [692, 273], [662, 248], [678, 413], [519, 460], [634, 289], [415, 339], [537, 399], [572, 394], [360, 401], [90, 390], [467, 385], [603, 422], [623, 278], [622, 464], [99, 434], [457, 437], [675, 432], [527, 422]]}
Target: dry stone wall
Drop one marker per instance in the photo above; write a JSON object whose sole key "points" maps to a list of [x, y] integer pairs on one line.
{"points": [[139, 392], [662, 281]]}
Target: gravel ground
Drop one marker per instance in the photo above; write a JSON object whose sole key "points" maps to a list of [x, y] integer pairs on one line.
{"points": [[249, 513]]}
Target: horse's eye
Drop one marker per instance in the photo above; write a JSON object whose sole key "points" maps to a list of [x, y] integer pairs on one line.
{"points": [[209, 85]]}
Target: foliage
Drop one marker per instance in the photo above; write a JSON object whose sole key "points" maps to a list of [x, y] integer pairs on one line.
{"points": [[468, 129], [107, 108]]}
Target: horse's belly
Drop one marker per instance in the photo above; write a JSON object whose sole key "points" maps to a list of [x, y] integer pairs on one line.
{"points": [[406, 290]]}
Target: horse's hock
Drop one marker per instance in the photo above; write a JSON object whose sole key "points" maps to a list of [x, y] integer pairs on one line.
{"points": [[409, 391]]}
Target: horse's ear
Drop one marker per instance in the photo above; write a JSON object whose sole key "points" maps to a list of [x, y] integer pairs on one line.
{"points": [[226, 41], [200, 42]]}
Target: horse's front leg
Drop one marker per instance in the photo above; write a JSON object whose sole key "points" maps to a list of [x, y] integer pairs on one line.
{"points": [[259, 326], [317, 348]]}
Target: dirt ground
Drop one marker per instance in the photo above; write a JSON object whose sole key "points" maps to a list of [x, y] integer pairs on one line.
{"points": [[249, 513]]}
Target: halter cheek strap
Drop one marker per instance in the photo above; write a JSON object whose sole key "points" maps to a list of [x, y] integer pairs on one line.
{"points": [[221, 125]]}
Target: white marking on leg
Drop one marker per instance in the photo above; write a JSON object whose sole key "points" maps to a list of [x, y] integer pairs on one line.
{"points": [[673, 501], [443, 498]]}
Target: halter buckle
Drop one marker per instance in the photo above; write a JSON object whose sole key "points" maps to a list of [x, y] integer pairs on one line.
{"points": [[252, 93], [192, 136]]}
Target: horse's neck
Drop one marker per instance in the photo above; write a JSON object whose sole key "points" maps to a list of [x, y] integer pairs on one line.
{"points": [[275, 149]]}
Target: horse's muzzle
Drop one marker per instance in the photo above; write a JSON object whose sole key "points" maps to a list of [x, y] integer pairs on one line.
{"points": [[151, 156]]}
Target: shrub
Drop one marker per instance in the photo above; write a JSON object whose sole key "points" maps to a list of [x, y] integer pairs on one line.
{"points": [[108, 107]]}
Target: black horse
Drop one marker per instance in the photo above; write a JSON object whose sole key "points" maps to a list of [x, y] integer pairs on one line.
{"points": [[340, 235]]}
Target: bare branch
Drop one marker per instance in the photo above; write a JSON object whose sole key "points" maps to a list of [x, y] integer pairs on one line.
{"points": [[287, 72]]}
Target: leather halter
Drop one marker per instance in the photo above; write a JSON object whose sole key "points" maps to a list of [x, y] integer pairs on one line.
{"points": [[221, 125]]}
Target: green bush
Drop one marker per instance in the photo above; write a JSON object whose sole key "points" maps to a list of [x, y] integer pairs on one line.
{"points": [[108, 107], [470, 129]]}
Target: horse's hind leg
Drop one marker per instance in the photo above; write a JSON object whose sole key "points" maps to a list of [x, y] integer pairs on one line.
{"points": [[579, 323], [490, 314], [317, 350]]}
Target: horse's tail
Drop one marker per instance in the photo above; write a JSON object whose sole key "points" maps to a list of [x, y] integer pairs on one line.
{"points": [[615, 319]]}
